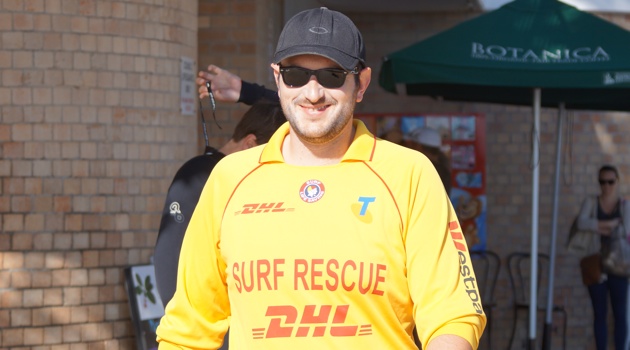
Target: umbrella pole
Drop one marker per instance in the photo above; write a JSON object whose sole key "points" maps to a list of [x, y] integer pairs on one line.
{"points": [[534, 250], [554, 233]]}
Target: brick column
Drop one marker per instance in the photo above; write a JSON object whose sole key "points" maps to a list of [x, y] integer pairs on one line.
{"points": [[90, 136]]}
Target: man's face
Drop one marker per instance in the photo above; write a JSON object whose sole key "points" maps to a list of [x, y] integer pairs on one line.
{"points": [[317, 114]]}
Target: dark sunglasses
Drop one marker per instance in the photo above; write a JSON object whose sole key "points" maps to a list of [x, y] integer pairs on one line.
{"points": [[330, 78], [610, 182]]}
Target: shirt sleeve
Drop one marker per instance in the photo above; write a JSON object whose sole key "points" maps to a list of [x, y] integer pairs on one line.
{"points": [[441, 279], [198, 315], [250, 93]]}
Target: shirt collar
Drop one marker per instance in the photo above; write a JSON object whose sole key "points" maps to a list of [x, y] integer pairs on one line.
{"points": [[361, 148]]}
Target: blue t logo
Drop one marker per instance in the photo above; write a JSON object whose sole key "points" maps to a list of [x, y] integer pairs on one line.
{"points": [[366, 201]]}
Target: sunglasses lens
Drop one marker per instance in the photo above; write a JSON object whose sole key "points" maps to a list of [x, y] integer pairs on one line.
{"points": [[298, 77], [331, 79], [295, 77]]}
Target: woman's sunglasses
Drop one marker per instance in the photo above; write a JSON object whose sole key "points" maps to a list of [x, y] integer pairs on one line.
{"points": [[330, 78], [609, 182]]}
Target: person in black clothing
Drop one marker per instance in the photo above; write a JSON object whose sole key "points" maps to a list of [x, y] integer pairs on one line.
{"points": [[255, 128]]}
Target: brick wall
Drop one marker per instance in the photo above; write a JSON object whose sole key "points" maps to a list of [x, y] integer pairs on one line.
{"points": [[91, 135]]}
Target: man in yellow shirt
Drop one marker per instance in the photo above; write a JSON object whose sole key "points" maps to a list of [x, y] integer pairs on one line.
{"points": [[326, 237]]}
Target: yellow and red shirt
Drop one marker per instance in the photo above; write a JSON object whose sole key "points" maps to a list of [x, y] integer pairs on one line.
{"points": [[345, 256]]}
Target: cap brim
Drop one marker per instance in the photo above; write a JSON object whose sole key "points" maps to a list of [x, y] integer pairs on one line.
{"points": [[342, 59]]}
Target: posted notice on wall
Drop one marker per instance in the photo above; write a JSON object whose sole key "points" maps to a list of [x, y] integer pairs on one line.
{"points": [[187, 95]]}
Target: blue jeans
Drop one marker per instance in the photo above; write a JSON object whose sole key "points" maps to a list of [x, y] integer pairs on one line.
{"points": [[617, 287]]}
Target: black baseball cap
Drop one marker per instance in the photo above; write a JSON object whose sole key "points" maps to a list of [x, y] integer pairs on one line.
{"points": [[325, 33]]}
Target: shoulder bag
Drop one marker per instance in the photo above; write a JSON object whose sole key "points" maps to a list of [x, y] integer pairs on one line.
{"points": [[583, 243], [616, 254]]}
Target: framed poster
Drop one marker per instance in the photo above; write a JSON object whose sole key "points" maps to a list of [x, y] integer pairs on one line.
{"points": [[462, 145], [145, 303]]}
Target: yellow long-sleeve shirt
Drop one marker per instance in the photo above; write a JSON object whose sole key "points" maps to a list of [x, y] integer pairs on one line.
{"points": [[346, 256]]}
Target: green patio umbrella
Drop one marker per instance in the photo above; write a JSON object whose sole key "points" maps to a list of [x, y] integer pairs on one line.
{"points": [[576, 58], [527, 52]]}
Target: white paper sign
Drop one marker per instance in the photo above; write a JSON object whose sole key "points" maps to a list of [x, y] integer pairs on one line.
{"points": [[188, 86], [149, 301]]}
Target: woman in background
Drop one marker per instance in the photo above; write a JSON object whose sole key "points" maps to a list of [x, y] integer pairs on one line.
{"points": [[611, 210]]}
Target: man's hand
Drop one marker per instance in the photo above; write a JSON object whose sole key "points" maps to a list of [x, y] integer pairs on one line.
{"points": [[225, 85]]}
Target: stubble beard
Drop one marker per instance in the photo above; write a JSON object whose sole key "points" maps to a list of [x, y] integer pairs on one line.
{"points": [[320, 134]]}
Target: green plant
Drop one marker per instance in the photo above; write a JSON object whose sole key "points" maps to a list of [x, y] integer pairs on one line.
{"points": [[145, 289]]}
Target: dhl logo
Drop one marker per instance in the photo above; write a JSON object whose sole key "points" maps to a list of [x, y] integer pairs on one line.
{"points": [[258, 208], [284, 323]]}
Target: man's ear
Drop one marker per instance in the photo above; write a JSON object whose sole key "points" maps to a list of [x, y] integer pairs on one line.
{"points": [[249, 141], [276, 74], [365, 76]]}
